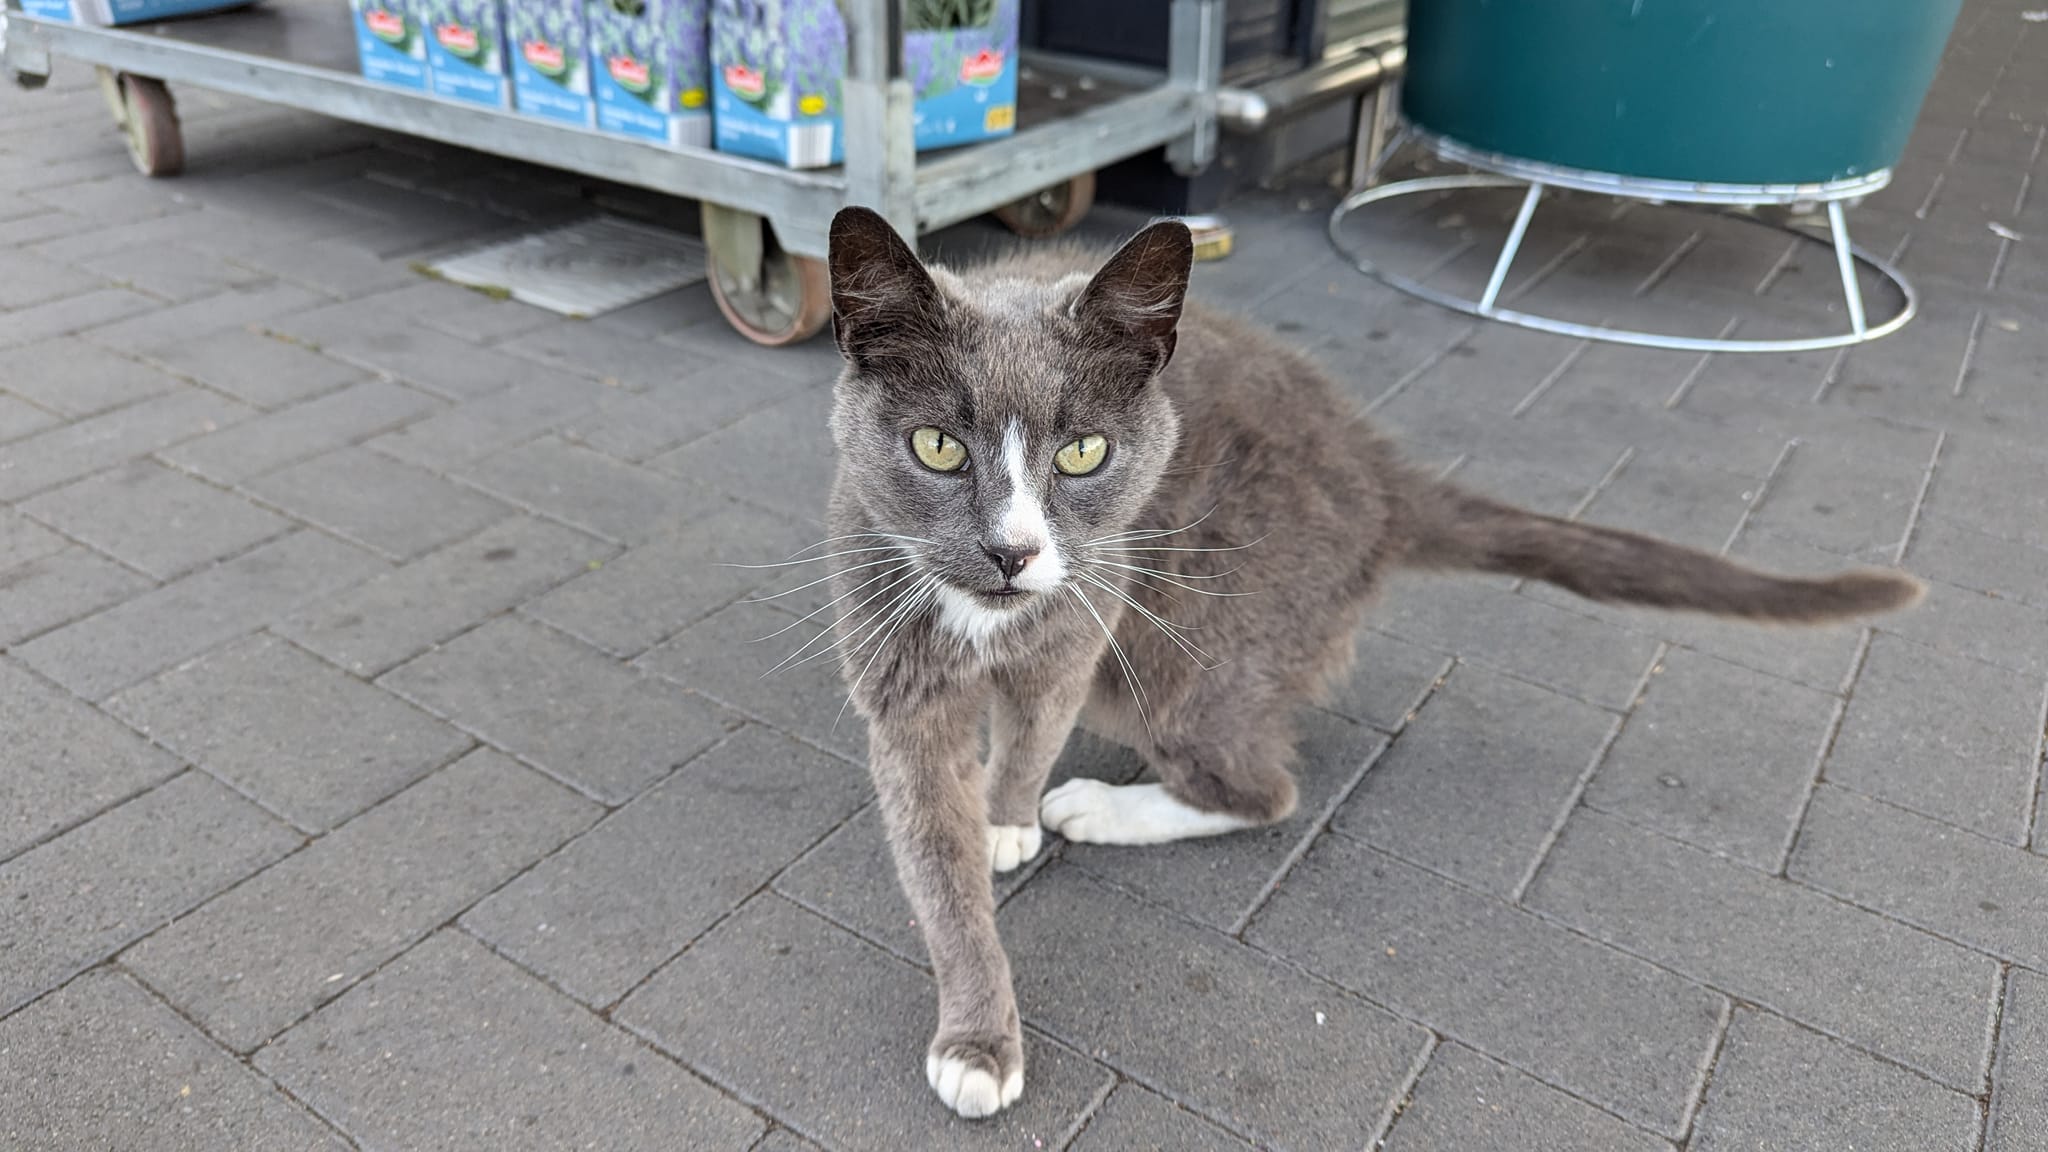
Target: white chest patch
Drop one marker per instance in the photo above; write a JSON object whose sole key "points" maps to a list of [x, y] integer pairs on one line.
{"points": [[962, 618]]}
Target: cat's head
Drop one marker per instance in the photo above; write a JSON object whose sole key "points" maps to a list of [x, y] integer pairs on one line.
{"points": [[1005, 420]]}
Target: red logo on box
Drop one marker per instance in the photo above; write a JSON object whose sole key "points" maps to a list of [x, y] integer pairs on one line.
{"points": [[984, 67]]}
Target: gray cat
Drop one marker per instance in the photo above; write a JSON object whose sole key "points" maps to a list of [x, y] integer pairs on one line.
{"points": [[1066, 497]]}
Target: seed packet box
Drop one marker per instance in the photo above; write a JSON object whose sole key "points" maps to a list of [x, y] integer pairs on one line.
{"points": [[650, 69], [550, 50], [390, 42], [466, 50], [777, 67], [122, 11]]}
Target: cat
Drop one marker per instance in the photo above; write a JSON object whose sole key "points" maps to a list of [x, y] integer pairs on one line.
{"points": [[1066, 493]]}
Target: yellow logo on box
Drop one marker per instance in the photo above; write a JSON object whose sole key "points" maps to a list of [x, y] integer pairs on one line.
{"points": [[811, 105], [999, 118], [692, 98]]}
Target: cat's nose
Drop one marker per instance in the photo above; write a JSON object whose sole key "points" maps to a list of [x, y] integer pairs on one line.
{"points": [[1008, 560]]}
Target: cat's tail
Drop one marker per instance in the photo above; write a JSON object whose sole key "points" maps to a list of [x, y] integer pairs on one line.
{"points": [[1453, 528]]}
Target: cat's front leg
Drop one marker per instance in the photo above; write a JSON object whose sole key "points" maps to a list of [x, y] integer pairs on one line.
{"points": [[1032, 716], [937, 831]]}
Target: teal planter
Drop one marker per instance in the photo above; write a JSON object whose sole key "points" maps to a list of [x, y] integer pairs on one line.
{"points": [[1700, 91]]}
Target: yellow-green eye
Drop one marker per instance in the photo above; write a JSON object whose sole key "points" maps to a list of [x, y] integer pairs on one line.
{"points": [[938, 451], [1082, 456]]}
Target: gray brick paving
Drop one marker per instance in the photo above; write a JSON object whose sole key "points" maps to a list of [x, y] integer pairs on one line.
{"points": [[307, 740], [1465, 1102], [608, 730], [1904, 994], [102, 1064], [253, 961], [77, 899], [612, 907], [132, 640], [451, 1047], [1772, 1073], [1389, 932], [158, 521], [834, 1038], [516, 520]]}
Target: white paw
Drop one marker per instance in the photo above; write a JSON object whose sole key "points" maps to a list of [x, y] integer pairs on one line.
{"points": [[1012, 844], [1091, 812], [970, 1091]]}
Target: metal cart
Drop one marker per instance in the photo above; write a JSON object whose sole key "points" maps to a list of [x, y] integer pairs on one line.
{"points": [[770, 282]]}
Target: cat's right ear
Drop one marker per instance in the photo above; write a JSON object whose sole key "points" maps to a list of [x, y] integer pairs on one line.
{"points": [[880, 291]]}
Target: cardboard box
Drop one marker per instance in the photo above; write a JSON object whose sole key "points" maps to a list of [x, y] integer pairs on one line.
{"points": [[650, 68], [390, 42], [466, 50], [777, 66], [123, 11], [550, 52]]}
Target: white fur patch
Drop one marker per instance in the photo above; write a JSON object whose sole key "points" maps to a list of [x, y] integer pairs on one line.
{"points": [[1023, 523], [1091, 812], [966, 619], [971, 1092], [1010, 845]]}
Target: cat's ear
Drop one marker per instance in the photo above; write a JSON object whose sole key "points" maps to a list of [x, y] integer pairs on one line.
{"points": [[879, 288], [1138, 294]]}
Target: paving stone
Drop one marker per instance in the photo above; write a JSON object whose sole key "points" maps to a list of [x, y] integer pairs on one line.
{"points": [[829, 1034], [238, 308], [170, 271], [638, 424], [475, 316], [2019, 1078], [1990, 896], [591, 490], [1778, 1085], [337, 267], [383, 504], [1993, 486], [19, 418], [679, 576], [62, 761], [253, 961], [637, 364], [1565, 650], [102, 1064], [371, 337], [129, 642], [493, 423], [604, 912], [728, 656], [251, 366], [1135, 1120], [1533, 994], [293, 733], [575, 713], [1717, 756], [1942, 735], [1479, 778], [781, 456], [1873, 982], [1468, 1103], [1221, 882], [70, 314], [74, 378], [1961, 555], [57, 589], [1697, 507], [451, 1048], [74, 450], [81, 897], [1985, 627], [782, 1140], [153, 519], [1850, 493], [1389, 679], [370, 628], [23, 540], [306, 429]]}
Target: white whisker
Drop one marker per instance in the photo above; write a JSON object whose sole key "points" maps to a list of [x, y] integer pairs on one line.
{"points": [[1170, 579], [827, 606], [1130, 676], [815, 559], [1171, 548], [1202, 659], [898, 559], [926, 591], [832, 627], [1148, 533], [867, 629]]}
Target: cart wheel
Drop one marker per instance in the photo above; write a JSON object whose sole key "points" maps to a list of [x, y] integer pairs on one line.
{"points": [[785, 300], [1050, 211], [150, 119]]}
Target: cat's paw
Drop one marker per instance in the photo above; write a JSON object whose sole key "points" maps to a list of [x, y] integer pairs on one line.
{"points": [[976, 1079], [1010, 845], [1092, 812]]}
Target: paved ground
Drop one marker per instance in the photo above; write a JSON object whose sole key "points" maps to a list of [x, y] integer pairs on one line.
{"points": [[383, 762]]}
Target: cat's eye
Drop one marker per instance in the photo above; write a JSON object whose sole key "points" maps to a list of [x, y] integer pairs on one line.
{"points": [[1082, 456], [938, 451]]}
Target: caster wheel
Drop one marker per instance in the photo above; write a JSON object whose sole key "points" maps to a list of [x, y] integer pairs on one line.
{"points": [[769, 296], [150, 119], [1050, 211]]}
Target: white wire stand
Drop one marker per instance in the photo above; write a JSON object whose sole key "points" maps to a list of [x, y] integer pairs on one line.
{"points": [[1498, 171]]}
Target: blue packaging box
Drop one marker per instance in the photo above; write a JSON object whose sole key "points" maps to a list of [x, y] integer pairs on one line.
{"points": [[390, 42], [550, 52], [466, 50], [123, 11], [650, 68]]}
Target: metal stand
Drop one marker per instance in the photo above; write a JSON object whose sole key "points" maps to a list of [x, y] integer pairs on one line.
{"points": [[1510, 172]]}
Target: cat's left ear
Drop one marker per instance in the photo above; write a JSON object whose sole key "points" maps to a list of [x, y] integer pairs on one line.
{"points": [[1139, 293], [880, 290]]}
